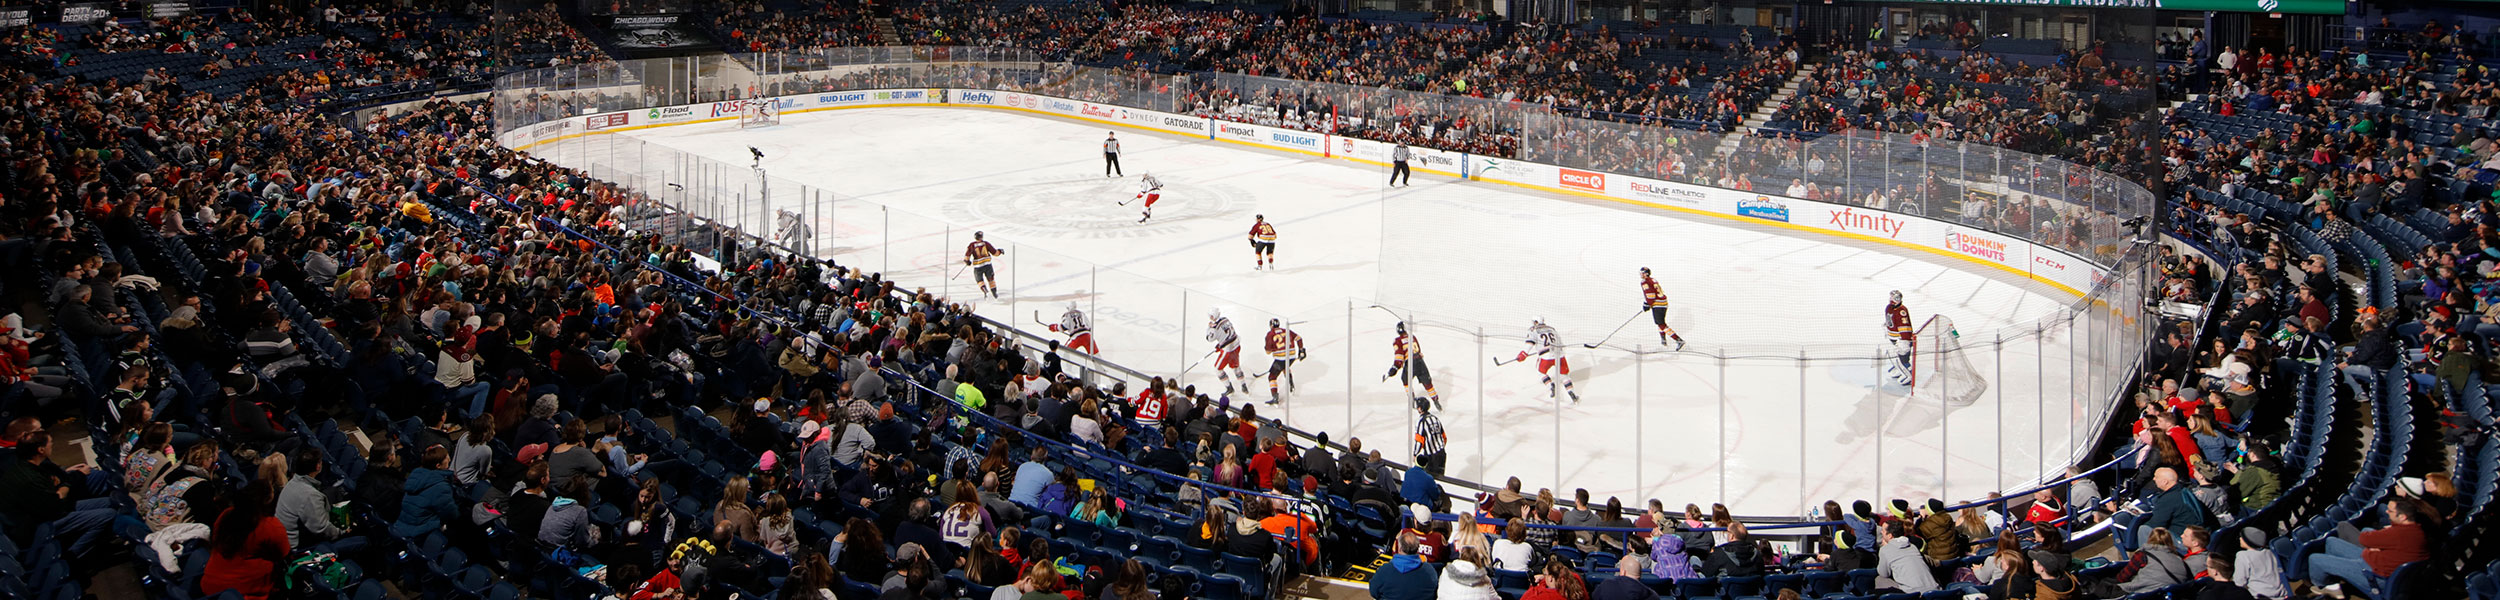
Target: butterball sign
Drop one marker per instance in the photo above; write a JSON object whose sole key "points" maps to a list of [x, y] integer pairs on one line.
{"points": [[1088, 207]]}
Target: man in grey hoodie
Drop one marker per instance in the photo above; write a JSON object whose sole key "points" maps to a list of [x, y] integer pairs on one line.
{"points": [[567, 525]]}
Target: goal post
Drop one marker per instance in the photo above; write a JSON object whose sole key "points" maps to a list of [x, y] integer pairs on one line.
{"points": [[758, 113], [1942, 378]]}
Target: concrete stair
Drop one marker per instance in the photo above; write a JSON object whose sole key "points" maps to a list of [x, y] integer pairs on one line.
{"points": [[1762, 112], [886, 32]]}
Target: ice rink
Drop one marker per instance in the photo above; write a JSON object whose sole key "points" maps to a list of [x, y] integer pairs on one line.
{"points": [[1770, 409]]}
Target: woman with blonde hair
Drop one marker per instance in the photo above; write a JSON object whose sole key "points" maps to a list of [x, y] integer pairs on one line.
{"points": [[1466, 535]]}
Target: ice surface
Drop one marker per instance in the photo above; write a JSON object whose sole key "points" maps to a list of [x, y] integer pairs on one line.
{"points": [[1760, 429]]}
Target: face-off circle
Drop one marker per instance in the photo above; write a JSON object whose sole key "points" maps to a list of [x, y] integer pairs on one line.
{"points": [[1089, 207]]}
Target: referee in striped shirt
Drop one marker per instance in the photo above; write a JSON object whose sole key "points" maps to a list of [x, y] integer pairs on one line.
{"points": [[1432, 446], [1398, 173], [1111, 155]]}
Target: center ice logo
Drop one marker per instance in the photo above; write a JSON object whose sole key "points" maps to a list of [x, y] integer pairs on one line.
{"points": [[1087, 207]]}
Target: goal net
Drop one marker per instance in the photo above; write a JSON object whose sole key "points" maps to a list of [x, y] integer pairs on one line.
{"points": [[1941, 379], [758, 114]]}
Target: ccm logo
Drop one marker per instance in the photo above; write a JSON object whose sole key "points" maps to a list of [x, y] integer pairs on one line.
{"points": [[2045, 262], [1583, 180]]}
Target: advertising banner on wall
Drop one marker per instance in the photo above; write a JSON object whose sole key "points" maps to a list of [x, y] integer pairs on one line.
{"points": [[86, 12], [12, 17], [167, 10]]}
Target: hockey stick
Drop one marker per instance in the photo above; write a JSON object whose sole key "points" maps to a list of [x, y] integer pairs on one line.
{"points": [[959, 273], [1193, 365], [1618, 329], [1499, 362]]}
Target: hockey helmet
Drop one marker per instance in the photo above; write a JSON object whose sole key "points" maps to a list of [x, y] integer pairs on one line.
{"points": [[1896, 296], [1071, 305], [1275, 324], [1401, 327], [1214, 314], [1423, 405], [1644, 270], [1258, 217], [977, 235]]}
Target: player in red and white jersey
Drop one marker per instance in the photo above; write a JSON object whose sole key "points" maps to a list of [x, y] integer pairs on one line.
{"points": [[1408, 366], [978, 254], [1656, 299], [1904, 339], [1080, 330], [1149, 189], [1227, 350], [1262, 243], [1284, 347], [1547, 346]]}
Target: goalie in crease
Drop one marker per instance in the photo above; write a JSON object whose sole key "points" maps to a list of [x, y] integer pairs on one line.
{"points": [[1904, 340]]}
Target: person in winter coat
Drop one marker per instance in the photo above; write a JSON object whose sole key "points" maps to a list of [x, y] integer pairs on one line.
{"points": [[1407, 577], [2255, 569], [1943, 541], [2220, 586], [1248, 538], [2155, 566], [1666, 555], [1898, 564], [430, 502], [1465, 578]]}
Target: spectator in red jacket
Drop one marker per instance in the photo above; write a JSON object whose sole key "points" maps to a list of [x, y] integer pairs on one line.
{"points": [[2379, 553]]}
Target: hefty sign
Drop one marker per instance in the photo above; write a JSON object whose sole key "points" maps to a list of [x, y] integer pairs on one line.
{"points": [[1586, 181], [974, 97], [1763, 207], [1881, 224]]}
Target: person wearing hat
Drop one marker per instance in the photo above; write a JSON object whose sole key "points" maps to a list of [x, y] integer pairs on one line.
{"points": [[2254, 567]]}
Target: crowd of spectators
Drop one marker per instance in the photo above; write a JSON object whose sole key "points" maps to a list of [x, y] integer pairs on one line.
{"points": [[754, 27], [506, 312]]}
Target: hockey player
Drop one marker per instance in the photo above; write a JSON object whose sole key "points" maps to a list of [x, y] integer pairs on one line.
{"points": [[1262, 243], [1904, 340], [1656, 299], [1080, 330], [1227, 350], [1151, 190], [978, 254], [1408, 367], [1547, 346], [1285, 347]]}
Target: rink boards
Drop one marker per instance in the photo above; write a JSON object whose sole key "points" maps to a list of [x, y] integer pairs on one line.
{"points": [[2058, 269]]}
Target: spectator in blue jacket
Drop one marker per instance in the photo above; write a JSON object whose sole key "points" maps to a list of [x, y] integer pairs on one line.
{"points": [[1418, 487], [430, 502], [1407, 576]]}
